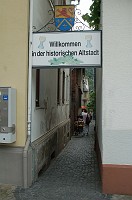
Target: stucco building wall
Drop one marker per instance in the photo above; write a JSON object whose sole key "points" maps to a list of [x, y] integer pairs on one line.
{"points": [[99, 109], [14, 23], [117, 96], [117, 83], [50, 125]]}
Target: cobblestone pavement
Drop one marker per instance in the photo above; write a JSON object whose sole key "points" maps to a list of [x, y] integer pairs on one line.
{"points": [[7, 192], [73, 175], [121, 197]]}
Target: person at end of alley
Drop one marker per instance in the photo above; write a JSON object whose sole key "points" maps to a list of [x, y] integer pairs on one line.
{"points": [[78, 125], [86, 119]]}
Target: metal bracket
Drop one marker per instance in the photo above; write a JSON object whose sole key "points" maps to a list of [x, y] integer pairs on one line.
{"points": [[5, 129], [50, 26]]}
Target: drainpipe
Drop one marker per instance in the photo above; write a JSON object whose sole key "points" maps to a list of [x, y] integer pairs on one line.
{"points": [[30, 70], [25, 163], [25, 151]]}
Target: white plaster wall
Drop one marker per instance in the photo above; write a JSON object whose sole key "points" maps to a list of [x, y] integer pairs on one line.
{"points": [[117, 81], [40, 14], [99, 106], [49, 115], [43, 13]]}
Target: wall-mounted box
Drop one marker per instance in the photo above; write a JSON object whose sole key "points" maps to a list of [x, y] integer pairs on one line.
{"points": [[7, 115]]}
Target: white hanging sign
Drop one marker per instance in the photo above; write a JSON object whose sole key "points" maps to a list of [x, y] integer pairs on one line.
{"points": [[66, 49]]}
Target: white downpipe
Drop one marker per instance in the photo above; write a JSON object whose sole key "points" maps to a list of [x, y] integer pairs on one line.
{"points": [[25, 164], [25, 151], [30, 70]]}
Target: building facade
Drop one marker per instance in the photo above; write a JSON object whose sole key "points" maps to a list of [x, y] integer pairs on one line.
{"points": [[76, 95], [114, 97], [42, 100], [85, 95], [42, 103]]}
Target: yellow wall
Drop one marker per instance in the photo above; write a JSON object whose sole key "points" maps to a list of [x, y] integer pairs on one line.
{"points": [[14, 20]]}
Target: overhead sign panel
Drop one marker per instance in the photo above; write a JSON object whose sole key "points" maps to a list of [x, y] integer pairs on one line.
{"points": [[67, 49]]}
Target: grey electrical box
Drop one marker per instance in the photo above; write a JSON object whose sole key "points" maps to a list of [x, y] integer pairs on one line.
{"points": [[7, 115]]}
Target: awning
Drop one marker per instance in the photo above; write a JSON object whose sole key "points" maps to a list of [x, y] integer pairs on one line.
{"points": [[83, 107]]}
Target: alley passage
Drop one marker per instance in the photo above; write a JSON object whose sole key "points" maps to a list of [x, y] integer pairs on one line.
{"points": [[73, 175]]}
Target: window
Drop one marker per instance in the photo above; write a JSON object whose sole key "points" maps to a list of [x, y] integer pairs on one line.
{"points": [[67, 88], [37, 87], [58, 86], [63, 88]]}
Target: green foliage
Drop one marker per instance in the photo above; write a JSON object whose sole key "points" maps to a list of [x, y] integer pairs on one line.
{"points": [[89, 73], [92, 102], [93, 18]]}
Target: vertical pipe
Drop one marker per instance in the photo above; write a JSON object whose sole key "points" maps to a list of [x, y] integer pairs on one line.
{"points": [[30, 69], [25, 151], [25, 163]]}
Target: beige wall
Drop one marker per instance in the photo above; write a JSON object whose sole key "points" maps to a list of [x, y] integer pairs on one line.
{"points": [[14, 15]]}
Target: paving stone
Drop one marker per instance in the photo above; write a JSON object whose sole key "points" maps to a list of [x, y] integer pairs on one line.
{"points": [[121, 197], [73, 175], [7, 192]]}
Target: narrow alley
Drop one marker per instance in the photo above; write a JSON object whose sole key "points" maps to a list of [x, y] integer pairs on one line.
{"points": [[72, 175]]}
